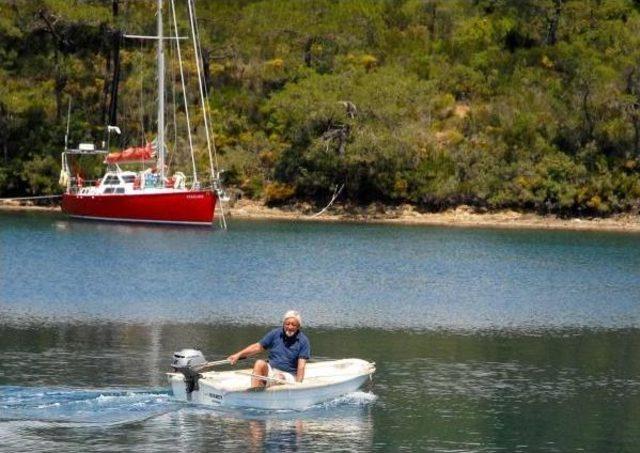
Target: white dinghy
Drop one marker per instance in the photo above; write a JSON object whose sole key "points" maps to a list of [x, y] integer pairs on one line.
{"points": [[323, 382]]}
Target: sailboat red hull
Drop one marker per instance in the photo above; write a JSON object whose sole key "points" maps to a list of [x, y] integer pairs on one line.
{"points": [[180, 207]]}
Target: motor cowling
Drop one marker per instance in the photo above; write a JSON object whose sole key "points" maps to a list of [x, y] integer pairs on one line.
{"points": [[187, 358], [187, 362]]}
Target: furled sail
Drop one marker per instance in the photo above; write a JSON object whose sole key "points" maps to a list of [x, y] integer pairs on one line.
{"points": [[133, 154]]}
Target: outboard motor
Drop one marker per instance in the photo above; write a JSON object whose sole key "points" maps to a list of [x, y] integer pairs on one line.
{"points": [[189, 362]]}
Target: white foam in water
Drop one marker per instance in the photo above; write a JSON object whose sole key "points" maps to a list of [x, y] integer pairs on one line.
{"points": [[358, 398], [103, 407], [113, 406]]}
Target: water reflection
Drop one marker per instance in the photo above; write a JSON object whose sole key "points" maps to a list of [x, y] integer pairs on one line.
{"points": [[346, 425], [80, 226], [264, 435]]}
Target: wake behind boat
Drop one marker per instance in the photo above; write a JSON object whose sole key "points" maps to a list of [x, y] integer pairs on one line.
{"points": [[324, 381]]}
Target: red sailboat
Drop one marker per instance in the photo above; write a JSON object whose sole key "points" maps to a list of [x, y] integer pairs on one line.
{"points": [[149, 194]]}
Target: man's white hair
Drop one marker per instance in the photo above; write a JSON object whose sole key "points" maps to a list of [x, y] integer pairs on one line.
{"points": [[292, 314]]}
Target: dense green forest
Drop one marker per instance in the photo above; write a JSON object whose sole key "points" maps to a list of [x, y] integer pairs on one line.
{"points": [[523, 104]]}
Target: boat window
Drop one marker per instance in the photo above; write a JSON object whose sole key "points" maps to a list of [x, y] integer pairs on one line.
{"points": [[112, 181], [120, 190], [129, 178], [109, 190]]}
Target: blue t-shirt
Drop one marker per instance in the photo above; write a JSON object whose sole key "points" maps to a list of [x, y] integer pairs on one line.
{"points": [[284, 351]]}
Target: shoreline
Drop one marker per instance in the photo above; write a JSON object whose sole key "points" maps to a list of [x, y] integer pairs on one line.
{"points": [[462, 216]]}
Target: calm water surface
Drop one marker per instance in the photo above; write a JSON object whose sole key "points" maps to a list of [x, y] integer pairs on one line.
{"points": [[485, 340]]}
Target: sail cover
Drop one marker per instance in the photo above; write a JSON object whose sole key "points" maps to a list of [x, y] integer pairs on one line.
{"points": [[133, 154]]}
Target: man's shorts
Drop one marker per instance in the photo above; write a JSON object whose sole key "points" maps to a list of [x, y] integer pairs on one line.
{"points": [[277, 374]]}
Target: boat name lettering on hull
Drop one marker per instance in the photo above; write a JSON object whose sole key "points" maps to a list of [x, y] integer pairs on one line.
{"points": [[196, 197], [215, 398]]}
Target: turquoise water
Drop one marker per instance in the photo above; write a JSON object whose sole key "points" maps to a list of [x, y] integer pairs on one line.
{"points": [[485, 340]]}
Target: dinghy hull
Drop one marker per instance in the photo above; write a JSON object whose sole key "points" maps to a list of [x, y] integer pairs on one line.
{"points": [[325, 381]]}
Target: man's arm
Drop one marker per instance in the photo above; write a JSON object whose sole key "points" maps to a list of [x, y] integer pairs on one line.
{"points": [[300, 374], [250, 350]]}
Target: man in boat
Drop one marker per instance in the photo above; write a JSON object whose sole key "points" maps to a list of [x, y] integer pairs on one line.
{"points": [[288, 349]]}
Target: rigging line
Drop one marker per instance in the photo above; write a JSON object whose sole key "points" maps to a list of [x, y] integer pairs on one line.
{"points": [[198, 60], [38, 197], [206, 94], [198, 55], [335, 195], [173, 101], [142, 130], [184, 93]]}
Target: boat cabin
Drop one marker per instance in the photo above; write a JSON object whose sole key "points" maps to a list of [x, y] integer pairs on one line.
{"points": [[130, 182], [114, 182]]}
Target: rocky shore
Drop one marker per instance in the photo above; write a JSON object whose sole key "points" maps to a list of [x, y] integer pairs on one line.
{"points": [[463, 216]]}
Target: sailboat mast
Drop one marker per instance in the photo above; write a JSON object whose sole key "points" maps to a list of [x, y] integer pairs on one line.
{"points": [[161, 70]]}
